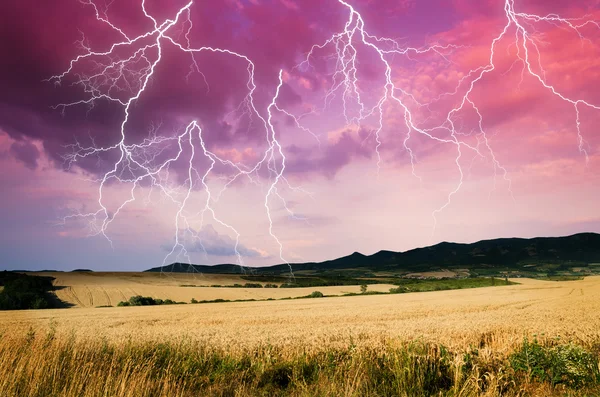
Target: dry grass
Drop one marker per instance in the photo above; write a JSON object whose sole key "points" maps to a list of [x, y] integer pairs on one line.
{"points": [[91, 289], [50, 365]]}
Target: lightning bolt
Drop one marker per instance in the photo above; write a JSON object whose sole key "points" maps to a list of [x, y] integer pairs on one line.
{"points": [[138, 163], [345, 83], [123, 80]]}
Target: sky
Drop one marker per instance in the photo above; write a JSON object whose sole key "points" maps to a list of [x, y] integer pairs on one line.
{"points": [[136, 133]]}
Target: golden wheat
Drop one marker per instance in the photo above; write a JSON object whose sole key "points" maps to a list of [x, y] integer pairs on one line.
{"points": [[257, 348], [87, 289], [456, 318]]}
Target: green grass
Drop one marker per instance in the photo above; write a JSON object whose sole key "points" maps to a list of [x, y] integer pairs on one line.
{"points": [[416, 285]]}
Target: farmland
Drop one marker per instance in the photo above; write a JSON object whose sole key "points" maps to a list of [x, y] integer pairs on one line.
{"points": [[250, 340], [87, 289], [453, 318]]}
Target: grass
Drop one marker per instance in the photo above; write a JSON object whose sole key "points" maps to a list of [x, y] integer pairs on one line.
{"points": [[47, 364], [416, 285]]}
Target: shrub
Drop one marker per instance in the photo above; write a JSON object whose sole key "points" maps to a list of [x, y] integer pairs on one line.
{"points": [[270, 286], [139, 300], [363, 288], [565, 364], [316, 294], [193, 300], [23, 291]]}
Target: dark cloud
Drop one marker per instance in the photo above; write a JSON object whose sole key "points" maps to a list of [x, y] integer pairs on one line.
{"points": [[26, 152], [39, 40]]}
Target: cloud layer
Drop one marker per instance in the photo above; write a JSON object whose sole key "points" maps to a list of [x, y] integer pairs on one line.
{"points": [[539, 148]]}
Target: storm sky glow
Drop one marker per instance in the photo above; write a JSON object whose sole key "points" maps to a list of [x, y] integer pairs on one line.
{"points": [[386, 144]]}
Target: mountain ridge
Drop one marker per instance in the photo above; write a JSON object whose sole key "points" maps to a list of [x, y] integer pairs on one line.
{"points": [[552, 255]]}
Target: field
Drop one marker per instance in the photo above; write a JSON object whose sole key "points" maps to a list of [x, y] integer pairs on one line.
{"points": [[464, 341], [87, 289]]}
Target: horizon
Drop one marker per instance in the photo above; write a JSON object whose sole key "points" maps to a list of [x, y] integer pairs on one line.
{"points": [[287, 131], [50, 270]]}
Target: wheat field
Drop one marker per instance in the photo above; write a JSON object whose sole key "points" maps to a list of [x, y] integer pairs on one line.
{"points": [[92, 289], [455, 318], [470, 342]]}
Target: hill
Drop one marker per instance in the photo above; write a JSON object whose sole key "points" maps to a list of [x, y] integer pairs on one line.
{"points": [[578, 254]]}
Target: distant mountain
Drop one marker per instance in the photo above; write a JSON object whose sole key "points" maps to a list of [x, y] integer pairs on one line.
{"points": [[186, 268], [547, 255]]}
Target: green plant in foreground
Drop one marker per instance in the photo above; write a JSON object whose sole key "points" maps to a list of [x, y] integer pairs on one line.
{"points": [[567, 364]]}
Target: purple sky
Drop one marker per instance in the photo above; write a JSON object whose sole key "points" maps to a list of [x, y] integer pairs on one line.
{"points": [[464, 150]]}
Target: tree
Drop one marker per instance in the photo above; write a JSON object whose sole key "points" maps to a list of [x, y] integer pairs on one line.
{"points": [[363, 288]]}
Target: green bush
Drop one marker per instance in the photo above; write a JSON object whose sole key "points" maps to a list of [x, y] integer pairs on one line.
{"points": [[253, 285], [316, 294], [22, 291], [566, 364], [139, 300]]}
